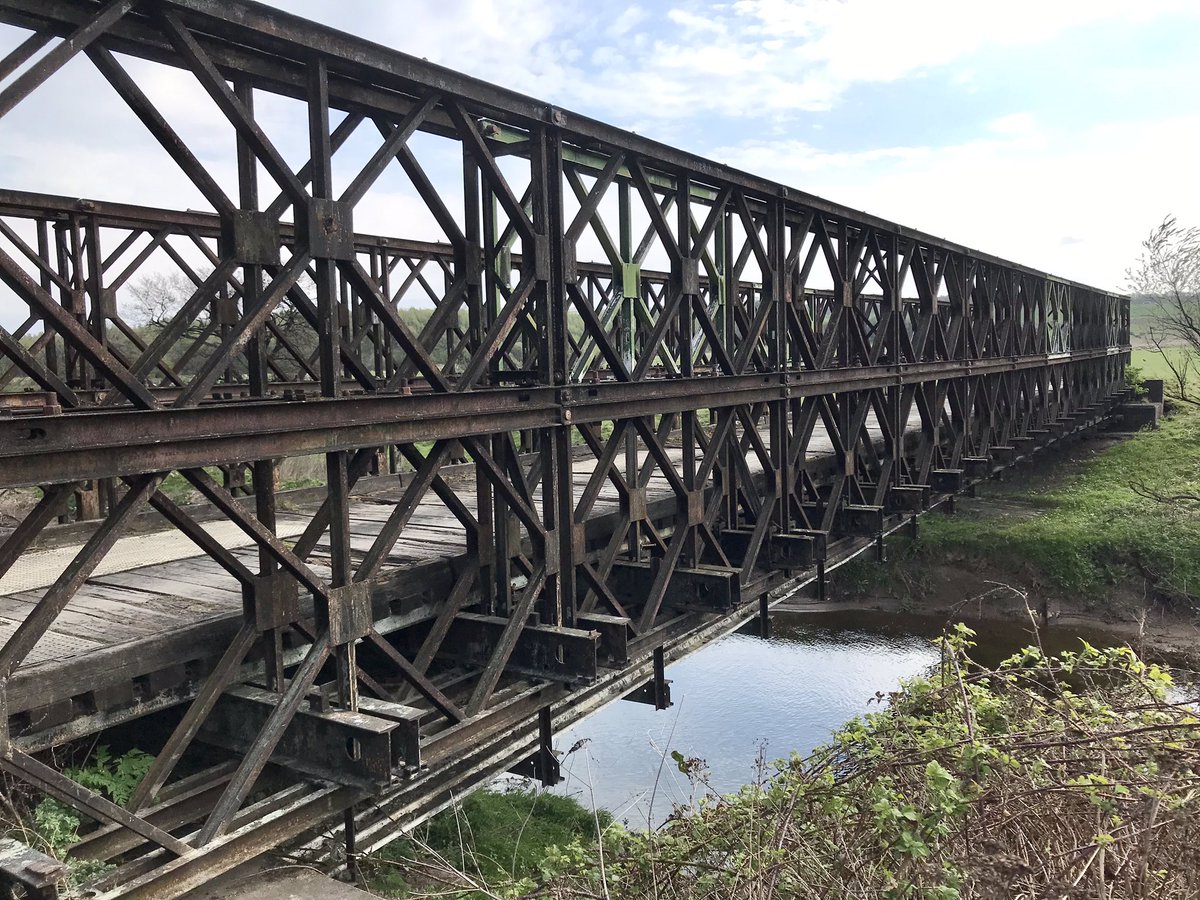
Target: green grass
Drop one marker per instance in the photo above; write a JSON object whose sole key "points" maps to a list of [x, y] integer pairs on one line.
{"points": [[492, 836], [1093, 528], [1151, 364]]}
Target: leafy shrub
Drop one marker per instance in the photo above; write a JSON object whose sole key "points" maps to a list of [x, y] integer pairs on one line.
{"points": [[1136, 379], [57, 825], [1071, 775]]}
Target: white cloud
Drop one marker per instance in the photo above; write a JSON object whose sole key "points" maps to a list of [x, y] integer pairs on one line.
{"points": [[784, 57], [746, 59], [1013, 124], [626, 21], [525, 45], [1075, 204], [693, 24], [882, 40]]}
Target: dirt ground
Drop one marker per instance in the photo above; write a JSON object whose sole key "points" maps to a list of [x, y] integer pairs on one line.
{"points": [[14, 504]]}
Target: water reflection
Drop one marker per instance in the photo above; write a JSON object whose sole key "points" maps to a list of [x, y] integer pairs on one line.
{"points": [[744, 697]]}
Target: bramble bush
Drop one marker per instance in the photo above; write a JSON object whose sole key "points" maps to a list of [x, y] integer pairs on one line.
{"points": [[1048, 776]]}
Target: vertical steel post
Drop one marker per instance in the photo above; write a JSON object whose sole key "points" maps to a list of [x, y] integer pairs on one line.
{"points": [[558, 499], [263, 594], [504, 526], [662, 694], [337, 479], [731, 292], [685, 270], [777, 285], [628, 338], [468, 266]]}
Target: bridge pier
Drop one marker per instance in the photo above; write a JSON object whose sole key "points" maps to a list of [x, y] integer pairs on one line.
{"points": [[543, 766], [657, 691], [764, 617]]}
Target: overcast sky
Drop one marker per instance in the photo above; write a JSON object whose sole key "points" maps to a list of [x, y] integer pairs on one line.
{"points": [[1052, 132]]}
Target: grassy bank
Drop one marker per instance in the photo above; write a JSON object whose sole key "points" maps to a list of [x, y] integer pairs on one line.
{"points": [[1084, 527], [492, 838]]}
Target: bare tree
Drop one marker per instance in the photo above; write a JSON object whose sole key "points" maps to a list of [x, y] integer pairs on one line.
{"points": [[156, 296], [1168, 274]]}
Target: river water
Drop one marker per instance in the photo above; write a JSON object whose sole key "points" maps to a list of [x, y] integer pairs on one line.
{"points": [[743, 698]]}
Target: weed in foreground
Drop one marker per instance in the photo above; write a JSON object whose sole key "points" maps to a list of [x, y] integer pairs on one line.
{"points": [[53, 827], [1073, 775]]}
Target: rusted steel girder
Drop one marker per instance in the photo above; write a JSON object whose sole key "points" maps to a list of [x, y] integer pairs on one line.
{"points": [[646, 393]]}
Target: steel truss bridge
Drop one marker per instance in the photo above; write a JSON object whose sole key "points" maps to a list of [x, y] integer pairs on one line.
{"points": [[647, 396]]}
